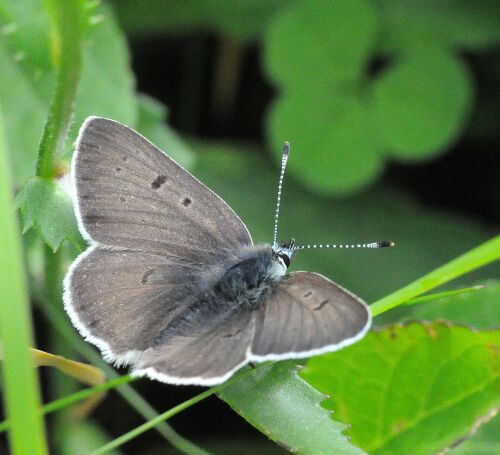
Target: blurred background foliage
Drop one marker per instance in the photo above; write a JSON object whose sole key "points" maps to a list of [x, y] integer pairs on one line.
{"points": [[392, 110]]}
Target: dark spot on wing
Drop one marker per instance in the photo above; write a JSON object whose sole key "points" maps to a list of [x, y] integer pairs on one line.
{"points": [[186, 202], [146, 276], [92, 324], [122, 199], [229, 335], [118, 169], [321, 305], [308, 294], [158, 181]]}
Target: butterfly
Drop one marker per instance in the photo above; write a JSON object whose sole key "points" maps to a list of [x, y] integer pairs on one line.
{"points": [[171, 282]]}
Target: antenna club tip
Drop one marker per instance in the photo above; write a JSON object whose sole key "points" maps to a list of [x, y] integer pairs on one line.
{"points": [[386, 243], [286, 149]]}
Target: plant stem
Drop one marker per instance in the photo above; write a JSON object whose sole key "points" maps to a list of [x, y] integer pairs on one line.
{"points": [[22, 397], [68, 400], [67, 18], [473, 259], [167, 415], [441, 295]]}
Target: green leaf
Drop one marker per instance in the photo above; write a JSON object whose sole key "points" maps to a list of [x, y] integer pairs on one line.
{"points": [[414, 388], [321, 42], [25, 97], [451, 23], [152, 116], [477, 309], [280, 404], [246, 21], [421, 103], [333, 147], [46, 206], [107, 83], [27, 78]]}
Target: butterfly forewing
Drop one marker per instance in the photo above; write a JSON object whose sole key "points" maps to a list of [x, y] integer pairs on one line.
{"points": [[307, 314], [130, 194]]}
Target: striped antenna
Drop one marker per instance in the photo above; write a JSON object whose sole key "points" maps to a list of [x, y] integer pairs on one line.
{"points": [[284, 159], [383, 244]]}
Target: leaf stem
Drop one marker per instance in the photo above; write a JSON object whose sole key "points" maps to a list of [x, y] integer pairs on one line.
{"points": [[67, 22], [473, 259]]}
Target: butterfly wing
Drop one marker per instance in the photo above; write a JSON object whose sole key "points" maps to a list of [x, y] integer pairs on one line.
{"points": [[153, 229], [130, 194], [120, 300], [307, 314], [205, 358]]}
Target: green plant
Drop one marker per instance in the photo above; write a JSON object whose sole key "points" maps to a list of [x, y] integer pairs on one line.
{"points": [[62, 61]]}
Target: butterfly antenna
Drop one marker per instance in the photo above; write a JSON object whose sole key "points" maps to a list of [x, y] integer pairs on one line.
{"points": [[383, 244], [284, 159]]}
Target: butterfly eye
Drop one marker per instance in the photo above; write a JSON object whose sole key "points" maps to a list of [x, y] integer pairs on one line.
{"points": [[286, 259]]}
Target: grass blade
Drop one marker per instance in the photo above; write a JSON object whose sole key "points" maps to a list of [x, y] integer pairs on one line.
{"points": [[27, 433], [478, 257]]}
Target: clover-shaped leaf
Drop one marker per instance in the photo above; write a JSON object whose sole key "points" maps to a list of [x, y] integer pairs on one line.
{"points": [[331, 138], [431, 383], [320, 54], [321, 41], [421, 103]]}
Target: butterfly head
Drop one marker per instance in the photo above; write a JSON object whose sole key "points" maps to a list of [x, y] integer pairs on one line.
{"points": [[284, 252]]}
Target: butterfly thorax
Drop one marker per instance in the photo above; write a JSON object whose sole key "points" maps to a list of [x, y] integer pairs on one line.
{"points": [[239, 286], [258, 269]]}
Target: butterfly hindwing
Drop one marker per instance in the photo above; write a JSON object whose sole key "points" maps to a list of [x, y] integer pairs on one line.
{"points": [[208, 357], [307, 314]]}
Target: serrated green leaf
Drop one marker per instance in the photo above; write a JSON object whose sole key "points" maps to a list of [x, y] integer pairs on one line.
{"points": [[333, 146], [280, 404], [46, 206], [421, 103], [321, 42], [477, 309], [414, 388]]}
